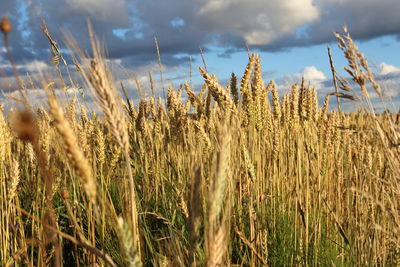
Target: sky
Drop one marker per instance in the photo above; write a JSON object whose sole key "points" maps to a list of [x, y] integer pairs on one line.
{"points": [[290, 35]]}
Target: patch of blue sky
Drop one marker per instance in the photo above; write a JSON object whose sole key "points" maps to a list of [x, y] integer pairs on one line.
{"points": [[177, 22], [121, 33], [23, 12]]}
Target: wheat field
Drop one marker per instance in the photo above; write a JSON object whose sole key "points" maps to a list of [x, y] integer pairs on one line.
{"points": [[233, 175]]}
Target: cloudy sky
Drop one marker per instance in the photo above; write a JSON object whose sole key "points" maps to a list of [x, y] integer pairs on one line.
{"points": [[290, 35]]}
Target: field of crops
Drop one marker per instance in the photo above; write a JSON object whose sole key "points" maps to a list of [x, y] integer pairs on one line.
{"points": [[234, 175]]}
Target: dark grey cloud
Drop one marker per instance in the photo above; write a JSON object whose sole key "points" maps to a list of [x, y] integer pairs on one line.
{"points": [[131, 37], [366, 19], [11, 9], [128, 27]]}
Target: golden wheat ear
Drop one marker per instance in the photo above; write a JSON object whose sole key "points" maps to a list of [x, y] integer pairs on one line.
{"points": [[75, 153]]}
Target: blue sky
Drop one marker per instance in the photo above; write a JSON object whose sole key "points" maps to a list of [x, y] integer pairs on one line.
{"points": [[290, 35]]}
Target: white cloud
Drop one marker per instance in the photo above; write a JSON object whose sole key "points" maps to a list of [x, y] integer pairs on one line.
{"points": [[259, 22], [142, 75], [391, 90], [312, 74], [35, 66], [385, 69], [213, 5], [32, 66], [38, 98], [389, 80]]}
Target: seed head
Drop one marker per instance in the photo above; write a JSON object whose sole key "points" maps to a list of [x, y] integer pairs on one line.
{"points": [[5, 25], [24, 125], [64, 193]]}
